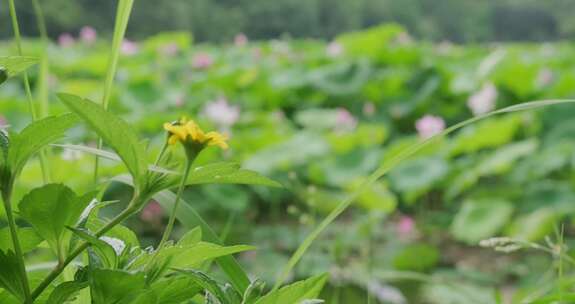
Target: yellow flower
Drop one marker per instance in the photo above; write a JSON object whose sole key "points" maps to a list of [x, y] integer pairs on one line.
{"points": [[188, 132]]}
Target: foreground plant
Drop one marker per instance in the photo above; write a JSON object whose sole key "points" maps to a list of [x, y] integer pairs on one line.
{"points": [[118, 270], [97, 260]]}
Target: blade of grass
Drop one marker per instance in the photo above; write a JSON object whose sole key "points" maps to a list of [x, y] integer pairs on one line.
{"points": [[18, 38], [122, 16], [42, 87], [381, 171]]}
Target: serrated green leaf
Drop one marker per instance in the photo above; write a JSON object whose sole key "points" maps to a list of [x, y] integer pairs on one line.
{"points": [[296, 292], [13, 65], [35, 136], [10, 278], [221, 293], [28, 238], [49, 209], [191, 219], [106, 253], [191, 237], [65, 292], [175, 289], [228, 173], [115, 286], [114, 131], [189, 256]]}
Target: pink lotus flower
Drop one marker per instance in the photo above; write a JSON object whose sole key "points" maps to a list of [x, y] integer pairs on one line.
{"points": [[66, 40], [129, 47], [241, 40], [88, 35], [345, 121], [202, 61], [484, 100], [405, 227], [429, 125], [334, 49], [170, 49], [222, 113]]}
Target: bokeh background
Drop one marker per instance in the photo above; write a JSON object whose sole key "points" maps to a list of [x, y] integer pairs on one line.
{"points": [[318, 94]]}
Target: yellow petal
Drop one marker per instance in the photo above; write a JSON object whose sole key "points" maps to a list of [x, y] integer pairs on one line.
{"points": [[178, 131], [217, 139], [195, 132]]}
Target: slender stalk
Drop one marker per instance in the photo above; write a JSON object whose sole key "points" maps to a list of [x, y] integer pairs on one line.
{"points": [[161, 154], [16, 28], [122, 16], [172, 219], [6, 198], [61, 266]]}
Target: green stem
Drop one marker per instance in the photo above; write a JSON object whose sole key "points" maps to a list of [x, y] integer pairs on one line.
{"points": [[61, 266], [161, 154], [6, 198], [16, 27], [172, 220]]}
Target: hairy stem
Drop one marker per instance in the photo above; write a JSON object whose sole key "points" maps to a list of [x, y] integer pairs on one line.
{"points": [[6, 198], [131, 209]]}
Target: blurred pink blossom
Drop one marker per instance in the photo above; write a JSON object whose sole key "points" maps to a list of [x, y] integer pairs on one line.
{"points": [[202, 61], [429, 125], [369, 109], [405, 227], [334, 49], [170, 49], [129, 47], [88, 34], [222, 113], [152, 212], [241, 40], [484, 100], [345, 120], [66, 40], [544, 77]]}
